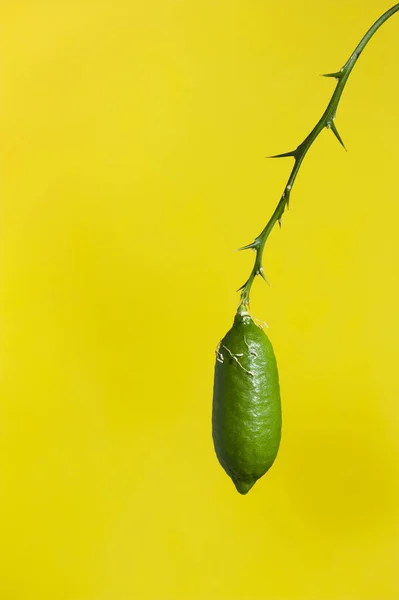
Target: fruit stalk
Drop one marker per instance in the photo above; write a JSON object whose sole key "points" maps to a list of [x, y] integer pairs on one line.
{"points": [[325, 121]]}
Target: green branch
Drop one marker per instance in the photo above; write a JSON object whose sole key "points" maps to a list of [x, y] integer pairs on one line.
{"points": [[325, 121]]}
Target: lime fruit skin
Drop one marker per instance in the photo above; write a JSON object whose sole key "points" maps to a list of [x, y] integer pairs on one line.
{"points": [[246, 412]]}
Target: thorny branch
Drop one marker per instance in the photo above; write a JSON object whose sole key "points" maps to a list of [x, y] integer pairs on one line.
{"points": [[325, 121]]}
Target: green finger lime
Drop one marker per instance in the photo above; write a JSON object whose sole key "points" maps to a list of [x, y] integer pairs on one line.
{"points": [[246, 415]]}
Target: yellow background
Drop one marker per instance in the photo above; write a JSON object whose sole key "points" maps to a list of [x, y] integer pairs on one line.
{"points": [[133, 137]]}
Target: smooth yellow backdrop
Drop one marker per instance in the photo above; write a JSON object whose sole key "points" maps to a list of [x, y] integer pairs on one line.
{"points": [[133, 138]]}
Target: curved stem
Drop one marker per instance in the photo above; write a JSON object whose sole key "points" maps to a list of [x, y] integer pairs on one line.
{"points": [[326, 120]]}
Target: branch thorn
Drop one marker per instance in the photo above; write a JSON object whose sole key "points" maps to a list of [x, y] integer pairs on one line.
{"points": [[334, 129], [261, 273], [251, 246], [284, 154], [336, 75]]}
